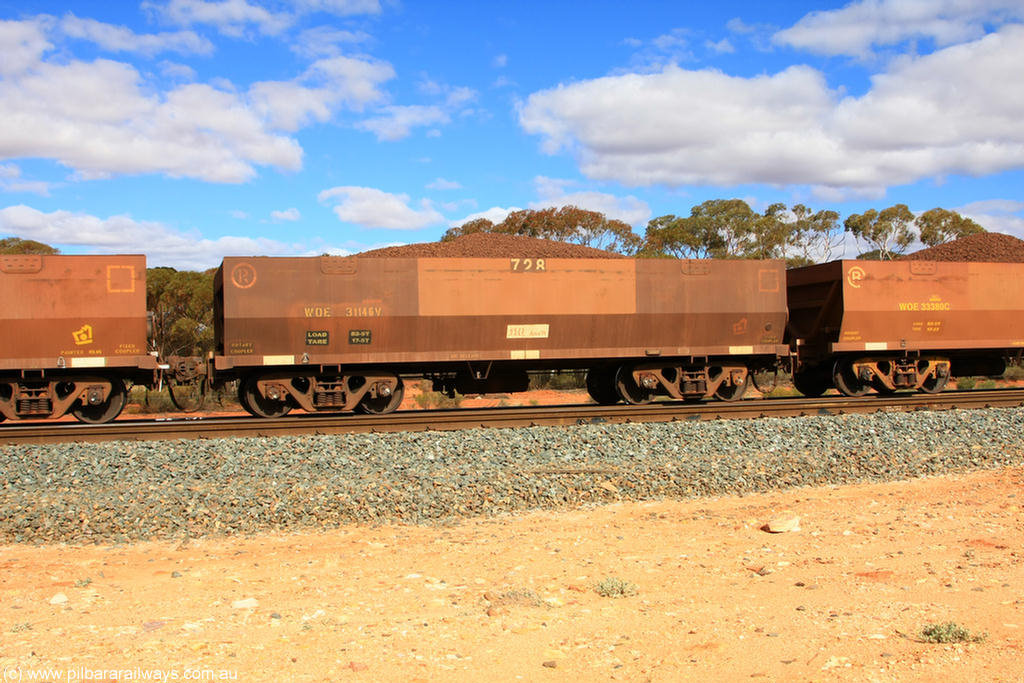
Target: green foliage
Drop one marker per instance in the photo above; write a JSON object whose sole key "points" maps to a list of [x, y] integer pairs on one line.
{"points": [[941, 225], [965, 382], [949, 632], [613, 587], [182, 306], [566, 224], [427, 398], [889, 230], [16, 245], [559, 381]]}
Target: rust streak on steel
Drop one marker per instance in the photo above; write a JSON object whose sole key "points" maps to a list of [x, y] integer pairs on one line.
{"points": [[416, 420]]}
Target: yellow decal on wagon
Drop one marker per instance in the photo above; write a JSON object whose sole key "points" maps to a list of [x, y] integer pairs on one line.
{"points": [[527, 331], [83, 335]]}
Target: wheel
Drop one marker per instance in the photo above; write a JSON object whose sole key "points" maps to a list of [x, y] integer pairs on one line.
{"points": [[765, 381], [382, 404], [601, 386], [259, 405], [846, 381], [106, 411], [629, 390], [810, 383], [188, 397], [732, 392], [934, 384]]}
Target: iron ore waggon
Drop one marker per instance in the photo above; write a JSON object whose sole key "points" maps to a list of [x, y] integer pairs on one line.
{"points": [[889, 325], [75, 329], [340, 333]]}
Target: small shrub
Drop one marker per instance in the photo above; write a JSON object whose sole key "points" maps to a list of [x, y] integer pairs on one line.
{"points": [[949, 632], [986, 384], [965, 382], [559, 381], [613, 587], [435, 399], [1014, 373]]}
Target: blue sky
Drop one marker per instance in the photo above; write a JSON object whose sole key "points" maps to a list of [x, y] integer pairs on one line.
{"points": [[193, 129]]}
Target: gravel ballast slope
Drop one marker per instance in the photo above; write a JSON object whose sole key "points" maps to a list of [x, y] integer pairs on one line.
{"points": [[123, 491]]}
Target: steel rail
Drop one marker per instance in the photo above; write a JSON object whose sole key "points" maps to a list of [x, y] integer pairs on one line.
{"points": [[470, 418]]}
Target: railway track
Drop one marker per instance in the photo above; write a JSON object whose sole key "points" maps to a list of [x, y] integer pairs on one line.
{"points": [[421, 420]]}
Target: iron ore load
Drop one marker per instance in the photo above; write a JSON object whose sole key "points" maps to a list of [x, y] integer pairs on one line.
{"points": [[339, 333], [75, 329]]}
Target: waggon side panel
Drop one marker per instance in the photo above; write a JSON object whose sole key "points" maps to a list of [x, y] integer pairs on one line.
{"points": [[69, 311], [913, 305], [288, 311]]}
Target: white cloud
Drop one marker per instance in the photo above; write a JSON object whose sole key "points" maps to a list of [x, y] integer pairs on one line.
{"points": [[375, 208], [236, 17], [50, 110], [326, 41], [396, 122], [162, 245], [495, 214], [948, 112], [997, 215], [23, 44], [723, 46], [11, 181], [859, 26], [554, 193], [286, 215], [340, 7], [442, 184], [123, 39], [230, 17]]}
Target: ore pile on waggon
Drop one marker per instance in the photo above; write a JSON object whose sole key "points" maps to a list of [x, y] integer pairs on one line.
{"points": [[480, 313]]}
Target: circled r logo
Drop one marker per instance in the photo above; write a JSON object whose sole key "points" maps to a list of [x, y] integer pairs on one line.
{"points": [[854, 276], [243, 275]]}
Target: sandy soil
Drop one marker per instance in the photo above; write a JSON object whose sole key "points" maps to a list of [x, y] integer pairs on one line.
{"points": [[717, 598]]}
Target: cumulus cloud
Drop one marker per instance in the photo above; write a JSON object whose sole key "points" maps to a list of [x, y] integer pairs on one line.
{"points": [[997, 215], [557, 193], [12, 181], [121, 234], [237, 17], [122, 39], [230, 17], [860, 26], [442, 184], [218, 134], [495, 214], [375, 208], [397, 121], [291, 214], [947, 112]]}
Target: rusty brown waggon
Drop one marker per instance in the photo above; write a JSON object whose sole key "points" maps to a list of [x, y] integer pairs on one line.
{"points": [[340, 333], [890, 325], [75, 328]]}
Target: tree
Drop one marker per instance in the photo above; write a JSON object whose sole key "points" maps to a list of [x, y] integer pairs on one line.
{"points": [[717, 228], [16, 245], [813, 236], [942, 225], [888, 231], [182, 308], [566, 224], [475, 225]]}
